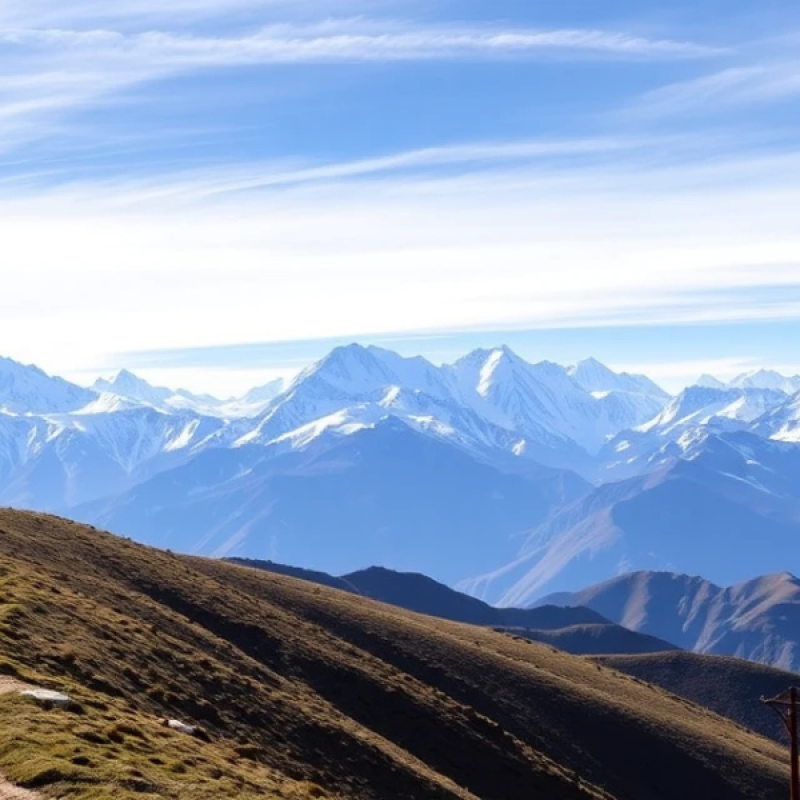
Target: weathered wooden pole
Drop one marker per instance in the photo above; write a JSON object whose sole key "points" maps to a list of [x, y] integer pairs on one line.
{"points": [[786, 707]]}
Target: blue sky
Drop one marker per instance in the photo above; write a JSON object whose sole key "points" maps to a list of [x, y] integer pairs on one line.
{"points": [[213, 191]]}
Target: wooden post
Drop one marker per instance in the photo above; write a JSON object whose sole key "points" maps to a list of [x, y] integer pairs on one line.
{"points": [[785, 705], [793, 734]]}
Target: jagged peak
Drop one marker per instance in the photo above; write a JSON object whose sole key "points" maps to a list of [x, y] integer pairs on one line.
{"points": [[707, 381], [764, 378], [126, 377], [14, 364], [28, 389], [266, 391], [595, 376], [126, 383], [771, 580], [592, 363], [482, 354]]}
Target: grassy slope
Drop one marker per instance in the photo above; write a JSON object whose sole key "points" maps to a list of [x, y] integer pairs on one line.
{"points": [[731, 687], [301, 687]]}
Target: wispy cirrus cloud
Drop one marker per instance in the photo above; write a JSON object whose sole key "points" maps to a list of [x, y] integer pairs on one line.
{"points": [[511, 240], [54, 12], [353, 40], [46, 72], [210, 184], [358, 40], [728, 88]]}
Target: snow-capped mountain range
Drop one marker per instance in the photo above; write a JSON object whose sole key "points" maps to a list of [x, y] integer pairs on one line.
{"points": [[125, 386], [503, 476]]}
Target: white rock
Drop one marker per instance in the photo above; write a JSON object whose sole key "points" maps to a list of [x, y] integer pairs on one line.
{"points": [[177, 725], [47, 696]]}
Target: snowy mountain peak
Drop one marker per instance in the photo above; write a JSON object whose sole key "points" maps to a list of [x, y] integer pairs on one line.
{"points": [[707, 381], [590, 369], [544, 403], [29, 390], [484, 368], [132, 388], [123, 380], [263, 394], [126, 384], [766, 379], [346, 367], [594, 376], [498, 365], [355, 370], [482, 354], [698, 405]]}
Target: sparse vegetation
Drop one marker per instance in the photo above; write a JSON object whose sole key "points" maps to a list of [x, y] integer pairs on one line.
{"points": [[302, 691], [731, 687]]}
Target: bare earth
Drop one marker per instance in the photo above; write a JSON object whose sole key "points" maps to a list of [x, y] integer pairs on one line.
{"points": [[7, 790]]}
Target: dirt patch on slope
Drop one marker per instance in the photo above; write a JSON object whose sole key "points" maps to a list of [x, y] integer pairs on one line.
{"points": [[7, 790]]}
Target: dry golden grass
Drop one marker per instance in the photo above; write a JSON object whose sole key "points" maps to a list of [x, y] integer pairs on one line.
{"points": [[305, 691]]}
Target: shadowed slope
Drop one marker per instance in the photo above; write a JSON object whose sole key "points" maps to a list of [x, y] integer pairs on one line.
{"points": [[729, 686], [575, 630], [598, 639], [293, 681], [422, 594]]}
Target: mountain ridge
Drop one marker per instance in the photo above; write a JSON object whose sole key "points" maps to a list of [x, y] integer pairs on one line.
{"points": [[575, 629], [757, 619]]}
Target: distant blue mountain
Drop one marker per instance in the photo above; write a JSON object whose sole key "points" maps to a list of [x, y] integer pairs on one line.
{"points": [[729, 510], [577, 630], [758, 619], [383, 495]]}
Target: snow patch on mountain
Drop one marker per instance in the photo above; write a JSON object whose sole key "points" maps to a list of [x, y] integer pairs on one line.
{"points": [[767, 379], [544, 402], [764, 379], [132, 388], [697, 405], [687, 418], [126, 384]]}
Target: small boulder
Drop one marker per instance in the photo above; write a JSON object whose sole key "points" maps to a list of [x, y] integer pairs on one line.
{"points": [[181, 727], [48, 697]]}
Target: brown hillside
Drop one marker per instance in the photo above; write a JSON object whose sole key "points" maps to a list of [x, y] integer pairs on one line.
{"points": [[305, 691], [731, 687]]}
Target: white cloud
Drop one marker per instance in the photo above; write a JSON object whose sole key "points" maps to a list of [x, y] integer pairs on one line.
{"points": [[620, 242]]}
